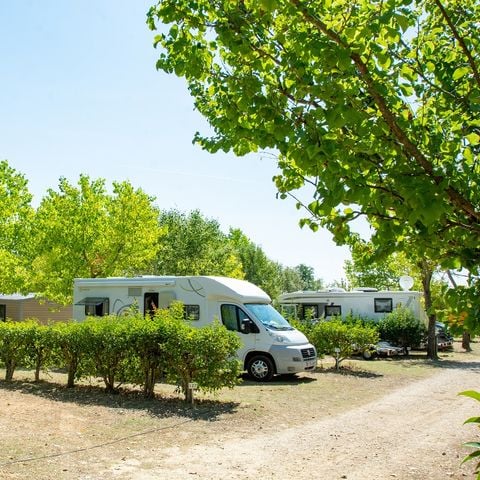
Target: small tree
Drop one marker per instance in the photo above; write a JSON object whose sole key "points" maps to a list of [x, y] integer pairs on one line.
{"points": [[402, 328], [341, 339], [107, 343], [13, 345], [70, 341], [205, 355], [39, 347]]}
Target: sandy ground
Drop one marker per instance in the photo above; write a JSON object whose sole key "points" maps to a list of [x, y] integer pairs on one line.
{"points": [[414, 432]]}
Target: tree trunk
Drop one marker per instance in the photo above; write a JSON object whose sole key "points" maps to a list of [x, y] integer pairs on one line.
{"points": [[9, 369], [466, 341], [432, 351], [72, 369]]}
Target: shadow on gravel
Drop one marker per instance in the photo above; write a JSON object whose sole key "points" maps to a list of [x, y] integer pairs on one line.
{"points": [[351, 372], [277, 380], [126, 399]]}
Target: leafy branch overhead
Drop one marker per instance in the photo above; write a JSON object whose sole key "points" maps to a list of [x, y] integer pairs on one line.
{"points": [[374, 105]]}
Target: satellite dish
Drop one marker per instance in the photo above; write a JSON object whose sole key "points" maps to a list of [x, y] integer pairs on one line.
{"points": [[406, 282]]}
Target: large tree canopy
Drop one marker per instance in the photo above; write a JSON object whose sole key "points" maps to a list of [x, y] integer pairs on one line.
{"points": [[374, 104], [194, 245], [85, 231], [15, 221]]}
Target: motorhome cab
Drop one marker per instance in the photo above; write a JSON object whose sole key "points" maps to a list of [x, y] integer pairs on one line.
{"points": [[362, 302], [270, 344]]}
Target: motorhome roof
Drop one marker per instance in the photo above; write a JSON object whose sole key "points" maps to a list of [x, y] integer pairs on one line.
{"points": [[224, 287]]}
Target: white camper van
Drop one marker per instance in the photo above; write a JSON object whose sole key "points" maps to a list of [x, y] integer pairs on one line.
{"points": [[270, 344], [362, 302]]}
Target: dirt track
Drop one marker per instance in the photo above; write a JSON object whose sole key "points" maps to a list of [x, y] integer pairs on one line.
{"points": [[414, 433]]}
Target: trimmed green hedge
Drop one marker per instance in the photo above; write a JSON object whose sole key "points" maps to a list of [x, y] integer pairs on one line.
{"points": [[130, 349]]}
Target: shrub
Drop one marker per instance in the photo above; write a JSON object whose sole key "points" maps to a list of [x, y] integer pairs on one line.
{"points": [[204, 355], [476, 445], [347, 337], [71, 344], [402, 328], [14, 341], [107, 344]]}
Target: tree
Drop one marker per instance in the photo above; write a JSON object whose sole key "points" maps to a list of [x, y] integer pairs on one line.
{"points": [[372, 105], [258, 268], [15, 221], [307, 275], [86, 232], [194, 245], [363, 271]]}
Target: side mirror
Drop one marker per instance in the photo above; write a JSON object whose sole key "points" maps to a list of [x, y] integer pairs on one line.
{"points": [[247, 326]]}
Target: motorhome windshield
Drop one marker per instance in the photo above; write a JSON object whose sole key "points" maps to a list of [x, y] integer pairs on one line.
{"points": [[268, 316]]}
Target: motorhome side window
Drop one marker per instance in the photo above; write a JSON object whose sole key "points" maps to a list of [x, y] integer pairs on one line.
{"points": [[383, 305], [3, 313], [232, 317], [333, 310], [309, 311], [95, 306], [191, 312]]}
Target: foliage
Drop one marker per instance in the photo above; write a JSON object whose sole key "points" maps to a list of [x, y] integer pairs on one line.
{"points": [[205, 355], [40, 347], [364, 271], [85, 232], [15, 222], [464, 314], [476, 445], [71, 344], [402, 328], [348, 337], [147, 362], [372, 108], [258, 268], [194, 245], [108, 344], [14, 343]]}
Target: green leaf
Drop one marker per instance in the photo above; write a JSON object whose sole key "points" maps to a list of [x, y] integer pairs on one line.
{"points": [[472, 420], [473, 138], [460, 72], [472, 394]]}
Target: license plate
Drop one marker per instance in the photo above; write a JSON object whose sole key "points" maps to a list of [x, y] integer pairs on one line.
{"points": [[310, 363]]}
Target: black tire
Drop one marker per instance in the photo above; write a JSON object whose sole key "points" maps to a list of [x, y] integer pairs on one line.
{"points": [[260, 368]]}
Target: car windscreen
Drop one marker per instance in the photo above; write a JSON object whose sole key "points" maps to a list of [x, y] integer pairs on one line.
{"points": [[269, 317]]}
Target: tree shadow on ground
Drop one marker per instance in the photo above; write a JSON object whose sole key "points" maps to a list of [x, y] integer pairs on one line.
{"points": [[287, 379], [161, 406], [348, 370]]}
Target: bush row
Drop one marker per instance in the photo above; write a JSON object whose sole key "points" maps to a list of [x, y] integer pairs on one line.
{"points": [[341, 338], [130, 349]]}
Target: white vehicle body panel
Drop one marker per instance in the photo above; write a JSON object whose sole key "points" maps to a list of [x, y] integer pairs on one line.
{"points": [[205, 296]]}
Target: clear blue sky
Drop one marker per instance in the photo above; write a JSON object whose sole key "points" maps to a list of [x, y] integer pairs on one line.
{"points": [[79, 93]]}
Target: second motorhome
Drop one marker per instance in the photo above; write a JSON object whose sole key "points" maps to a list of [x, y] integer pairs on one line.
{"points": [[367, 303], [270, 344]]}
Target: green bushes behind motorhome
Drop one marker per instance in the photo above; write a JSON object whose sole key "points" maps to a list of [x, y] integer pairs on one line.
{"points": [[130, 349], [339, 338]]}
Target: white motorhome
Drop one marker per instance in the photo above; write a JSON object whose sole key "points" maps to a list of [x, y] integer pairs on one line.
{"points": [[270, 344], [363, 302]]}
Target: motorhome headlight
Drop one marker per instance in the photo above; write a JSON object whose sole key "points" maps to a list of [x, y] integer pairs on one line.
{"points": [[281, 338]]}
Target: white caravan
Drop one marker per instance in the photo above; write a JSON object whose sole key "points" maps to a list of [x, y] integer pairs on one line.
{"points": [[270, 344], [364, 303]]}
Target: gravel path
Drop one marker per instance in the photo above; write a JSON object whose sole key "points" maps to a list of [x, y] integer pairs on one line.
{"points": [[414, 433]]}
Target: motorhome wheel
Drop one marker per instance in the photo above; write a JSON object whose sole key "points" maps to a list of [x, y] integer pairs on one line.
{"points": [[260, 368]]}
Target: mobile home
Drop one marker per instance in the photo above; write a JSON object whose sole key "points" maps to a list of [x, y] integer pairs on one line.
{"points": [[365, 303], [270, 344]]}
